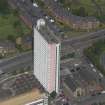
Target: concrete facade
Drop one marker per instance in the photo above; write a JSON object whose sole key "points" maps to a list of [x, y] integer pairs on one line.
{"points": [[46, 61]]}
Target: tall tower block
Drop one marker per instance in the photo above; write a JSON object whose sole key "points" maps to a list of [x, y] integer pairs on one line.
{"points": [[46, 57]]}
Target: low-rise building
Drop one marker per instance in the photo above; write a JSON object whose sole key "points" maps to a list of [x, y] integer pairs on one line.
{"points": [[73, 86], [85, 23], [79, 81], [7, 47], [25, 42]]}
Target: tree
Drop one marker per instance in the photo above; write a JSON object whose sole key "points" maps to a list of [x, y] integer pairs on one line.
{"points": [[80, 12], [53, 94], [11, 38], [18, 26], [16, 12], [4, 6]]}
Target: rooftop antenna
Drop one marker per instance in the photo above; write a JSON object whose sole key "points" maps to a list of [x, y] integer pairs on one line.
{"points": [[40, 22]]}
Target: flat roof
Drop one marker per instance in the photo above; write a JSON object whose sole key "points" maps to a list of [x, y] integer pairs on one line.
{"points": [[71, 83], [48, 34]]}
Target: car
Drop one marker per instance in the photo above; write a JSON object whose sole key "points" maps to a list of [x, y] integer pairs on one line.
{"points": [[55, 0], [76, 65], [103, 92], [35, 5], [46, 17], [101, 75], [93, 94], [78, 68], [98, 93], [72, 70], [52, 20], [1, 72], [66, 103], [91, 65], [94, 69]]}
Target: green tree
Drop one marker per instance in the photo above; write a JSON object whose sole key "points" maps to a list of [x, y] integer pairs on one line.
{"points": [[18, 26], [53, 94], [11, 38], [80, 12], [16, 12], [4, 6]]}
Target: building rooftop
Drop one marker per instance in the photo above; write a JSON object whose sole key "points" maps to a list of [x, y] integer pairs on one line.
{"points": [[87, 75], [48, 34], [79, 77], [71, 83]]}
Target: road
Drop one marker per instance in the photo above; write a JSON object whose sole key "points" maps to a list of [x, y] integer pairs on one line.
{"points": [[20, 61], [78, 44], [86, 40], [92, 99]]}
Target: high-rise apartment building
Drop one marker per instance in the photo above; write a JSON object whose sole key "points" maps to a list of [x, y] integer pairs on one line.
{"points": [[46, 57]]}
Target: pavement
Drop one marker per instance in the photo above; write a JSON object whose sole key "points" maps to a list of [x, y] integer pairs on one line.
{"points": [[23, 60], [92, 99]]}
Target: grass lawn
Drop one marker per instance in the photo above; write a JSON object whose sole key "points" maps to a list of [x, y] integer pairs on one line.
{"points": [[95, 52], [12, 25]]}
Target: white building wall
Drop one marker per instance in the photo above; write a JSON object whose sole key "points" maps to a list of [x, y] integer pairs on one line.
{"points": [[57, 67], [40, 58], [46, 62]]}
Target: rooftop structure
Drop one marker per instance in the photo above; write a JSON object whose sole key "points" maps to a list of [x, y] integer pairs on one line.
{"points": [[46, 32]]}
